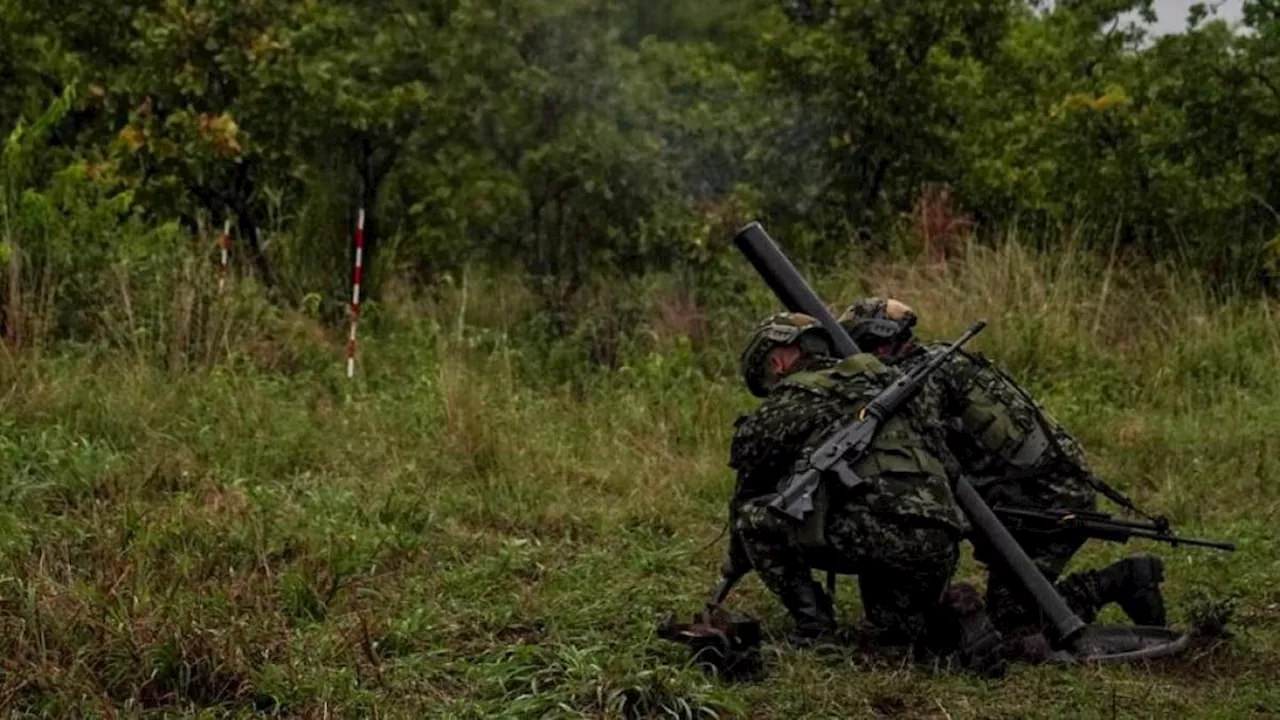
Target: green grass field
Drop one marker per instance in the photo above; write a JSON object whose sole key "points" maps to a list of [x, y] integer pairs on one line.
{"points": [[470, 529]]}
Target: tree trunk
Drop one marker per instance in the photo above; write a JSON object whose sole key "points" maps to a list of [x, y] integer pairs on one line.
{"points": [[251, 232]]}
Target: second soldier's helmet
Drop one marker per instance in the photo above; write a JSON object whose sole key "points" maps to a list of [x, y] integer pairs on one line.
{"points": [[779, 331], [876, 322]]}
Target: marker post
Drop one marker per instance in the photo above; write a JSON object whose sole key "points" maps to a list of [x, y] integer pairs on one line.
{"points": [[357, 277], [224, 243]]}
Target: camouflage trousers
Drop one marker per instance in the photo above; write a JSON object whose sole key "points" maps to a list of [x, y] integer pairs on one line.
{"points": [[1012, 609], [903, 564]]}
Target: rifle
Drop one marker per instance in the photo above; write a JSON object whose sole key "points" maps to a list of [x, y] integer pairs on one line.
{"points": [[1095, 525], [844, 447]]}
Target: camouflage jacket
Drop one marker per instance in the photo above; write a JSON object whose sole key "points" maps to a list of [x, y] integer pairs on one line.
{"points": [[994, 428], [906, 468]]}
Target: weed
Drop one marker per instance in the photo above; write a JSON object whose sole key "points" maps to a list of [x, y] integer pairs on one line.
{"points": [[485, 523]]}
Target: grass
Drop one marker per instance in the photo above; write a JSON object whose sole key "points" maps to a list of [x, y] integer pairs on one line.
{"points": [[482, 526]]}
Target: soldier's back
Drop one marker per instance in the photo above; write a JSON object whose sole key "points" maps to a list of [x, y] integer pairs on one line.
{"points": [[906, 468], [997, 429]]}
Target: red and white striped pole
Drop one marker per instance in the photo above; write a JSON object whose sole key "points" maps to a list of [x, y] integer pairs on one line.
{"points": [[224, 242], [357, 276]]}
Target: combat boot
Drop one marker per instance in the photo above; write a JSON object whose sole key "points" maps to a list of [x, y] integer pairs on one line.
{"points": [[961, 625], [1133, 583], [813, 614]]}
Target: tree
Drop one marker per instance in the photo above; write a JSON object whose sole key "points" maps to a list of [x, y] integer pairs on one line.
{"points": [[871, 85]]}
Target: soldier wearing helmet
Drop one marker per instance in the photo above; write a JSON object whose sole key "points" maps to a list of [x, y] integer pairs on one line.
{"points": [[1019, 455], [781, 345], [899, 531]]}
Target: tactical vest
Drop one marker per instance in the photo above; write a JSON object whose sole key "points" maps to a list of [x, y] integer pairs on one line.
{"points": [[989, 417], [903, 477]]}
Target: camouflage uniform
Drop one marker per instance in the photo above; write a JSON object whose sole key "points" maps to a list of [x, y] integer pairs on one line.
{"points": [[1014, 450], [1018, 455], [899, 531]]}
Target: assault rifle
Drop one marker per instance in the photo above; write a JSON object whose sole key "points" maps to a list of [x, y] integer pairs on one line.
{"points": [[1095, 525], [837, 453]]}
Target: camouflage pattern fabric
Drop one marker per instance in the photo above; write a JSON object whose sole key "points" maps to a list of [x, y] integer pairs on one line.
{"points": [[903, 565], [903, 568], [899, 531], [1017, 453], [995, 430], [774, 332]]}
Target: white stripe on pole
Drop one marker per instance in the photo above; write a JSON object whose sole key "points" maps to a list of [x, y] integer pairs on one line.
{"points": [[225, 243], [357, 277]]}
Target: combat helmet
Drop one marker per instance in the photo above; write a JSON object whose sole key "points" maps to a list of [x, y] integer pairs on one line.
{"points": [[778, 331], [876, 322]]}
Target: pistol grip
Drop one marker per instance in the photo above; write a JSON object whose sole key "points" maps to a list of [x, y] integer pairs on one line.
{"points": [[846, 474]]}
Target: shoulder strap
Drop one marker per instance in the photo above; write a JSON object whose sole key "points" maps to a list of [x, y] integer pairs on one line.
{"points": [[858, 364], [815, 381], [1094, 481]]}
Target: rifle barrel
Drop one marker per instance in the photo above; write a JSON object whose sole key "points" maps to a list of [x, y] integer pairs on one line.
{"points": [[1102, 524], [1157, 535]]}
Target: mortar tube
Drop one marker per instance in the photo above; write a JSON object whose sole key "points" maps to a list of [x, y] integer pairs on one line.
{"points": [[1067, 626]]}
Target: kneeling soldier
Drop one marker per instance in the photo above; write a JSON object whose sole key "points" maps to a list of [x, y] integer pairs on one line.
{"points": [[898, 529], [1018, 455]]}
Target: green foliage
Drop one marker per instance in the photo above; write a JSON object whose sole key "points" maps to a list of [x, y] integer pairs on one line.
{"points": [[1163, 143], [65, 230], [489, 520], [575, 139], [476, 528], [872, 109]]}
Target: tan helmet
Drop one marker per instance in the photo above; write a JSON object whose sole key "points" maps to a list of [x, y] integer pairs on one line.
{"points": [[774, 332], [873, 322]]}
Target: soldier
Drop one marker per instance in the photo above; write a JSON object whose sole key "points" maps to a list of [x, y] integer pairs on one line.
{"points": [[1018, 455], [899, 531]]}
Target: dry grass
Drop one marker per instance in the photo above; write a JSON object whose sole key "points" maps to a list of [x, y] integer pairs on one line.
{"points": [[482, 524]]}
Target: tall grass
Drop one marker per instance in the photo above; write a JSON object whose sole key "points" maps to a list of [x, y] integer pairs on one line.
{"points": [[490, 519]]}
